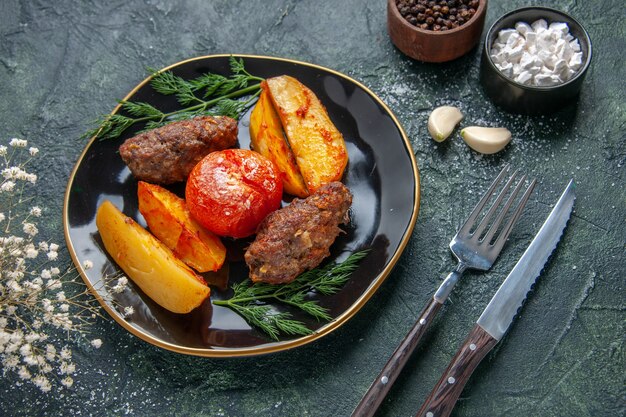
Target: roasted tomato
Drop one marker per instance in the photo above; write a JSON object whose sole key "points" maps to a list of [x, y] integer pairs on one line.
{"points": [[231, 191]]}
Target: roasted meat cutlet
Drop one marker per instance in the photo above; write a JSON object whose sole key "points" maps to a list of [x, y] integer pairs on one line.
{"points": [[297, 237], [168, 154]]}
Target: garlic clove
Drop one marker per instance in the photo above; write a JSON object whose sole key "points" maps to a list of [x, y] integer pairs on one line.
{"points": [[442, 122], [486, 140]]}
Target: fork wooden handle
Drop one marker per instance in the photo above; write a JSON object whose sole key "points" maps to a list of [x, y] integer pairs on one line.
{"points": [[381, 385], [443, 397]]}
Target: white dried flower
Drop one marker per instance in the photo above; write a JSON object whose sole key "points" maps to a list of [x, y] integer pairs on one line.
{"points": [[18, 143], [67, 381], [121, 285], [13, 173], [25, 349], [51, 352], [31, 337], [11, 361], [31, 253], [128, 311], [54, 284], [42, 383], [24, 373], [7, 186], [30, 229], [33, 303], [67, 368], [66, 353]]}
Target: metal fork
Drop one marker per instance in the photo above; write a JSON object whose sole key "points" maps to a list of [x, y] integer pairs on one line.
{"points": [[475, 246]]}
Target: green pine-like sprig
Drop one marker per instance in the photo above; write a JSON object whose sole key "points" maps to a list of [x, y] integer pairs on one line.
{"points": [[209, 94], [255, 302]]}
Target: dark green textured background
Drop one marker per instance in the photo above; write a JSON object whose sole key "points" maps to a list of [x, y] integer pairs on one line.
{"points": [[63, 63]]}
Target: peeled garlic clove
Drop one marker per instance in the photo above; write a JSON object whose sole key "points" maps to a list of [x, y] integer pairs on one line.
{"points": [[442, 122], [486, 140]]}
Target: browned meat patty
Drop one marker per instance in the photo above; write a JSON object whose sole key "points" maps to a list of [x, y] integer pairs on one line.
{"points": [[297, 238], [167, 154]]}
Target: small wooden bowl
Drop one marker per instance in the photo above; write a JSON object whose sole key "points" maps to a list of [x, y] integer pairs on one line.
{"points": [[430, 46]]}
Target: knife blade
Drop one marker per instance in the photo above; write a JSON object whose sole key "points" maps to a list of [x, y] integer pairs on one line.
{"points": [[501, 310]]}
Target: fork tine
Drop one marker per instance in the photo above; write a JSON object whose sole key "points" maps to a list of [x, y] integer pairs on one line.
{"points": [[506, 230], [481, 204], [485, 221], [496, 224]]}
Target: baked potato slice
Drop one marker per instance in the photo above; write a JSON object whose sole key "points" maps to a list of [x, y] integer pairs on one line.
{"points": [[318, 146], [266, 135], [169, 220], [149, 263]]}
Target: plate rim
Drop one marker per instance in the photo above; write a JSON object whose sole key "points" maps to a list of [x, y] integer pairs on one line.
{"points": [[275, 346]]}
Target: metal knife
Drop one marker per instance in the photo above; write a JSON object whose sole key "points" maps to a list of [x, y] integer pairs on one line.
{"points": [[499, 314]]}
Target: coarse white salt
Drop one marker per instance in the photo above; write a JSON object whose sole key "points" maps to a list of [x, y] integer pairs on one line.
{"points": [[537, 54]]}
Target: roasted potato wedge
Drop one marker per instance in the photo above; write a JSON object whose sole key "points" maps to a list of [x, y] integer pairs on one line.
{"points": [[317, 144], [149, 263], [266, 135], [169, 220]]}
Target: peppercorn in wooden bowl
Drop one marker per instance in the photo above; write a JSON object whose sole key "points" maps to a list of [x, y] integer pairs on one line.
{"points": [[435, 30], [534, 60]]}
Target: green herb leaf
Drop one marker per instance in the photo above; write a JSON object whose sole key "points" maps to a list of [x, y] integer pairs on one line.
{"points": [[253, 301], [141, 109], [221, 96]]}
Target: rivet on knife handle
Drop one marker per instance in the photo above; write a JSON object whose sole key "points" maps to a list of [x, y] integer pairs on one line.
{"points": [[443, 397], [381, 385]]}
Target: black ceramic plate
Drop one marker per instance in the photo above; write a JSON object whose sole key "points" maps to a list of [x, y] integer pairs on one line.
{"points": [[382, 175]]}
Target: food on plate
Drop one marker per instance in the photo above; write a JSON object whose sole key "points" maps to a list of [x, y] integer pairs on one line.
{"points": [[486, 140], [170, 221], [149, 263], [267, 138], [168, 154], [317, 144], [297, 237], [442, 122], [231, 191]]}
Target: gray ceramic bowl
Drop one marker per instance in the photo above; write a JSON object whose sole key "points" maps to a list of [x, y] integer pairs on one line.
{"points": [[519, 98]]}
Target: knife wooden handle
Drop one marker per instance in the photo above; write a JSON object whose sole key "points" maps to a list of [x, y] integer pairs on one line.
{"points": [[381, 385], [443, 397]]}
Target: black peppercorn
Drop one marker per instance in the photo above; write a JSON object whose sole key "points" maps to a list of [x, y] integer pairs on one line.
{"points": [[437, 15]]}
